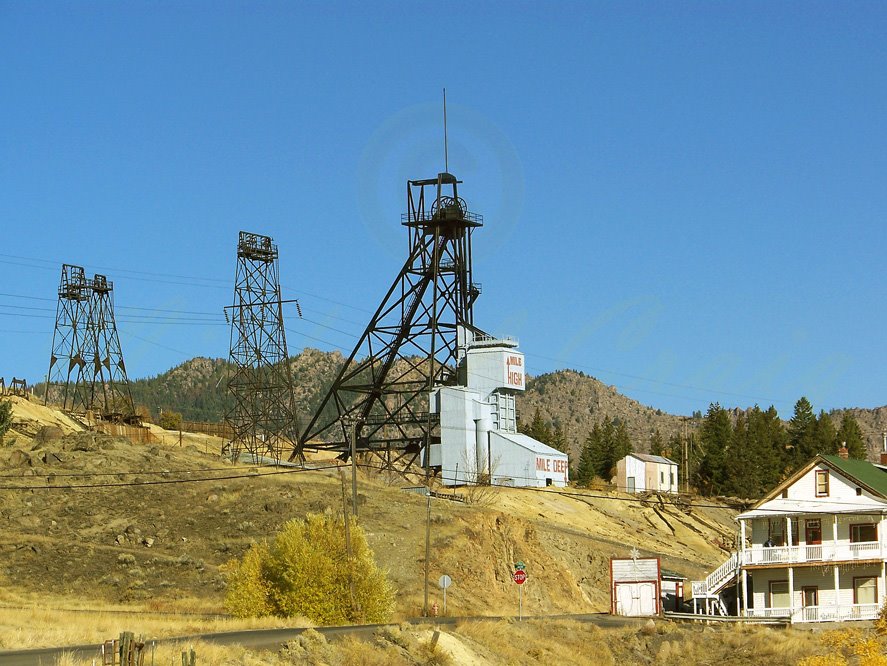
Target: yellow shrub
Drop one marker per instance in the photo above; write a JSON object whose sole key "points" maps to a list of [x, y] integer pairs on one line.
{"points": [[307, 572]]}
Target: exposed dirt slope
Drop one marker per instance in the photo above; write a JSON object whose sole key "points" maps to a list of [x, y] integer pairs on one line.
{"points": [[165, 537]]}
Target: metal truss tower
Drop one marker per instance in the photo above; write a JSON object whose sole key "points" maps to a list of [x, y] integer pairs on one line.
{"points": [[70, 339], [410, 345], [263, 415], [87, 360], [110, 394]]}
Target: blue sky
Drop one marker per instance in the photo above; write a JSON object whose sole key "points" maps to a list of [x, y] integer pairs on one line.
{"points": [[685, 200]]}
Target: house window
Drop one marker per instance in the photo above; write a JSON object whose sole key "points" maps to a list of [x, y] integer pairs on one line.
{"points": [[822, 483], [859, 492], [785, 494], [662, 478], [779, 594], [777, 531], [813, 532], [864, 532], [865, 590]]}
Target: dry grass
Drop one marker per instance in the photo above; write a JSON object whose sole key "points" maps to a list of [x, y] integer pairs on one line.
{"points": [[504, 643], [37, 626]]}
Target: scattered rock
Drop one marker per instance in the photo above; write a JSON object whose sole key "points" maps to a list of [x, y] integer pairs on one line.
{"points": [[212, 498], [148, 541], [19, 458]]}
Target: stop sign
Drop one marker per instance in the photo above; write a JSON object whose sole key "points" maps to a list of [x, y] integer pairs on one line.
{"points": [[519, 576]]}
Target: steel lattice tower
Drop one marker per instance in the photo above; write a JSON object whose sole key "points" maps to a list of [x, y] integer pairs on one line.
{"points": [[410, 345], [263, 416], [110, 394], [67, 365]]}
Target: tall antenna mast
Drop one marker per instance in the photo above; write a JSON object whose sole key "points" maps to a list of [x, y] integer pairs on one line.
{"points": [[446, 153]]}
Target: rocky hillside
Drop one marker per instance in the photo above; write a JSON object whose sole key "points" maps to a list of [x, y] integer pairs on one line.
{"points": [[577, 401], [568, 398]]}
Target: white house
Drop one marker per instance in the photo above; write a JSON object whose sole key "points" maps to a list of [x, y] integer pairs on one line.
{"points": [[813, 550], [640, 472]]}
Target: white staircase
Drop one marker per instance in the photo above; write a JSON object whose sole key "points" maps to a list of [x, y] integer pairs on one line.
{"points": [[718, 579], [709, 589]]}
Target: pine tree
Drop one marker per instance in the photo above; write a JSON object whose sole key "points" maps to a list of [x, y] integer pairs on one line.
{"points": [[801, 431], [825, 435], [592, 459], [850, 436], [657, 444], [715, 441], [559, 439]]}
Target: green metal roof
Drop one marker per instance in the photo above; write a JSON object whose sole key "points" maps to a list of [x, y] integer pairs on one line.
{"points": [[861, 470]]}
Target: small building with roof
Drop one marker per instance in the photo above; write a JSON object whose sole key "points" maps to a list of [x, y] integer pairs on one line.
{"points": [[643, 473]]}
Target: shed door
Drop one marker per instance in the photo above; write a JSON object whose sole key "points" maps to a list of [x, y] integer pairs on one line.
{"points": [[630, 483]]}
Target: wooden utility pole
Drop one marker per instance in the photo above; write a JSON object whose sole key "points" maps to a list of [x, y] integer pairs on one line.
{"points": [[427, 546], [348, 541], [354, 468]]}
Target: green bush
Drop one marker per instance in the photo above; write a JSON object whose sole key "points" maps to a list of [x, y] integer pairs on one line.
{"points": [[5, 417], [170, 420], [306, 572]]}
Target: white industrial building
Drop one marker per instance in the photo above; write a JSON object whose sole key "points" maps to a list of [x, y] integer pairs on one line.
{"points": [[478, 422]]}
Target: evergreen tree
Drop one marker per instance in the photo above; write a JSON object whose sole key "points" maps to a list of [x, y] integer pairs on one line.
{"points": [[825, 435], [741, 477], [715, 442], [801, 429], [850, 436], [657, 444], [559, 439], [538, 429], [591, 460], [620, 447]]}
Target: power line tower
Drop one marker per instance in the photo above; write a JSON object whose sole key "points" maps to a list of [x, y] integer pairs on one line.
{"points": [[263, 415], [110, 394], [412, 342], [70, 340]]}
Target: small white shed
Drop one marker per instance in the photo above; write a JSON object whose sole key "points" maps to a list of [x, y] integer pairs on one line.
{"points": [[635, 586]]}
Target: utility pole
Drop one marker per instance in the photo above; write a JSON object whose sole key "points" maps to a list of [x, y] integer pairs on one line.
{"points": [[427, 546], [348, 541], [354, 424]]}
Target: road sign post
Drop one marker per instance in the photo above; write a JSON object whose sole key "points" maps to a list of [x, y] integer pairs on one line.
{"points": [[444, 582], [520, 577]]}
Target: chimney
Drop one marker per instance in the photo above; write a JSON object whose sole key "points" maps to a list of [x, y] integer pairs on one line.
{"points": [[884, 449], [842, 452]]}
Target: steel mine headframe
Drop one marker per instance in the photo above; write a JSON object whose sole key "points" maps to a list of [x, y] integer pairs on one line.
{"points": [[69, 340], [410, 345], [87, 360], [263, 416], [109, 389]]}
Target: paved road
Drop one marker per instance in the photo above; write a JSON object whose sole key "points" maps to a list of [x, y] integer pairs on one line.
{"points": [[273, 639]]}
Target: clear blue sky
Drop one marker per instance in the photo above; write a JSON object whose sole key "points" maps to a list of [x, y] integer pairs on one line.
{"points": [[685, 200]]}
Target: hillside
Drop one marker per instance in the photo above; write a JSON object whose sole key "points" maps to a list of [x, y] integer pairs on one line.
{"points": [[122, 535], [572, 399]]}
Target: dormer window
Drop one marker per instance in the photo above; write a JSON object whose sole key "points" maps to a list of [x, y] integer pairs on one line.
{"points": [[822, 483]]}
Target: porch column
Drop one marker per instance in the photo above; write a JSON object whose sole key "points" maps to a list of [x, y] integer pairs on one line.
{"points": [[835, 534], [741, 542], [881, 587], [837, 588], [744, 593], [788, 531], [791, 590]]}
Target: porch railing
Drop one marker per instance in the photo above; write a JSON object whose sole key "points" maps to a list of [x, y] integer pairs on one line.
{"points": [[840, 613], [825, 552]]}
